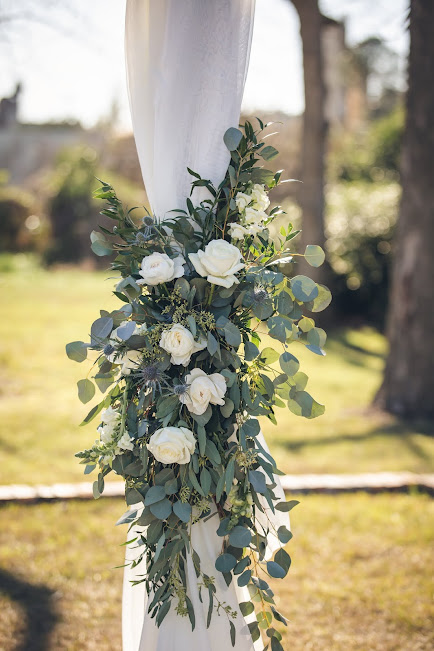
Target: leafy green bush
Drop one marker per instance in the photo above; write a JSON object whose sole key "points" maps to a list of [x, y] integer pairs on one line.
{"points": [[71, 209], [360, 223], [20, 229], [369, 155]]}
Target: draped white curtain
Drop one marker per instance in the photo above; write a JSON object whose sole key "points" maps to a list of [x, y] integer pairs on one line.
{"points": [[186, 67]]}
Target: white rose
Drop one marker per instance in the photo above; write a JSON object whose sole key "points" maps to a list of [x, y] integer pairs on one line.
{"points": [[219, 262], [172, 445], [180, 344], [242, 200], [106, 432], [110, 415], [130, 361], [254, 229], [203, 390], [125, 442], [237, 232], [254, 216], [159, 268], [260, 197]]}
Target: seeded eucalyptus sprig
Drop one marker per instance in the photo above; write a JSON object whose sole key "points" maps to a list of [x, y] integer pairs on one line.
{"points": [[185, 377]]}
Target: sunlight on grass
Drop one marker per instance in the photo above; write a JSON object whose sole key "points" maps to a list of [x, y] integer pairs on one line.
{"points": [[40, 411], [359, 576]]}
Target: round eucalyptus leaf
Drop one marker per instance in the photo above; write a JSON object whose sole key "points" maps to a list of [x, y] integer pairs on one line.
{"points": [[242, 565], [317, 337], [284, 303], [227, 408], [251, 351], [183, 286], [269, 355], [182, 510], [263, 310], [275, 570], [284, 534], [125, 332], [100, 329], [155, 494], [283, 559], [322, 301], [225, 563], [244, 578], [232, 138], [289, 364], [314, 255], [162, 509], [240, 537], [77, 351], [304, 288], [86, 390]]}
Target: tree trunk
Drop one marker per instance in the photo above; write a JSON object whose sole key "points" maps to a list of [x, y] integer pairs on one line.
{"points": [[408, 384], [311, 191]]}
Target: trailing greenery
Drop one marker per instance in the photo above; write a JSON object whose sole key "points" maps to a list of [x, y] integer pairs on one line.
{"points": [[185, 379]]}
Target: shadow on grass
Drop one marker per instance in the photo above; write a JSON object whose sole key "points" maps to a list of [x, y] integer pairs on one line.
{"points": [[353, 354], [398, 429], [40, 614]]}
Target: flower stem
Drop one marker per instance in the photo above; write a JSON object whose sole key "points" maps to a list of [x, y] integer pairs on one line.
{"points": [[211, 294], [124, 409]]}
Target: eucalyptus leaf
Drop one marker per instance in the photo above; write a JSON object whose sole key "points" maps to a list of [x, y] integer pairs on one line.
{"points": [[275, 570], [304, 288], [77, 351], [240, 537], [314, 255], [251, 351], [161, 509], [232, 138], [100, 330], [225, 563], [289, 364], [283, 559], [182, 510], [286, 506], [155, 494], [269, 152], [322, 300], [257, 479], [227, 408], [124, 332], [244, 578], [246, 608], [86, 390], [269, 355], [284, 534]]}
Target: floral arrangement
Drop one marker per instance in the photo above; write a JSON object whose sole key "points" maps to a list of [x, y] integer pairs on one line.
{"points": [[185, 380]]}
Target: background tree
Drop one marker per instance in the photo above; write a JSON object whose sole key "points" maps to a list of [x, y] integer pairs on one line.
{"points": [[311, 191], [408, 386]]}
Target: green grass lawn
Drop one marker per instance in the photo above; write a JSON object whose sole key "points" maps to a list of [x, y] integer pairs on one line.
{"points": [[40, 411], [359, 581]]}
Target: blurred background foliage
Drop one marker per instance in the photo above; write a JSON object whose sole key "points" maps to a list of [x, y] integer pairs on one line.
{"points": [[52, 213]]}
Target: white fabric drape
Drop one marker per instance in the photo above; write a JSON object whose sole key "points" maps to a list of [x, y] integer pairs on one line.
{"points": [[186, 67]]}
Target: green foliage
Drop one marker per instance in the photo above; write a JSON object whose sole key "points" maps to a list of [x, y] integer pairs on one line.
{"points": [[360, 224], [71, 209], [370, 156], [178, 323], [21, 226]]}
